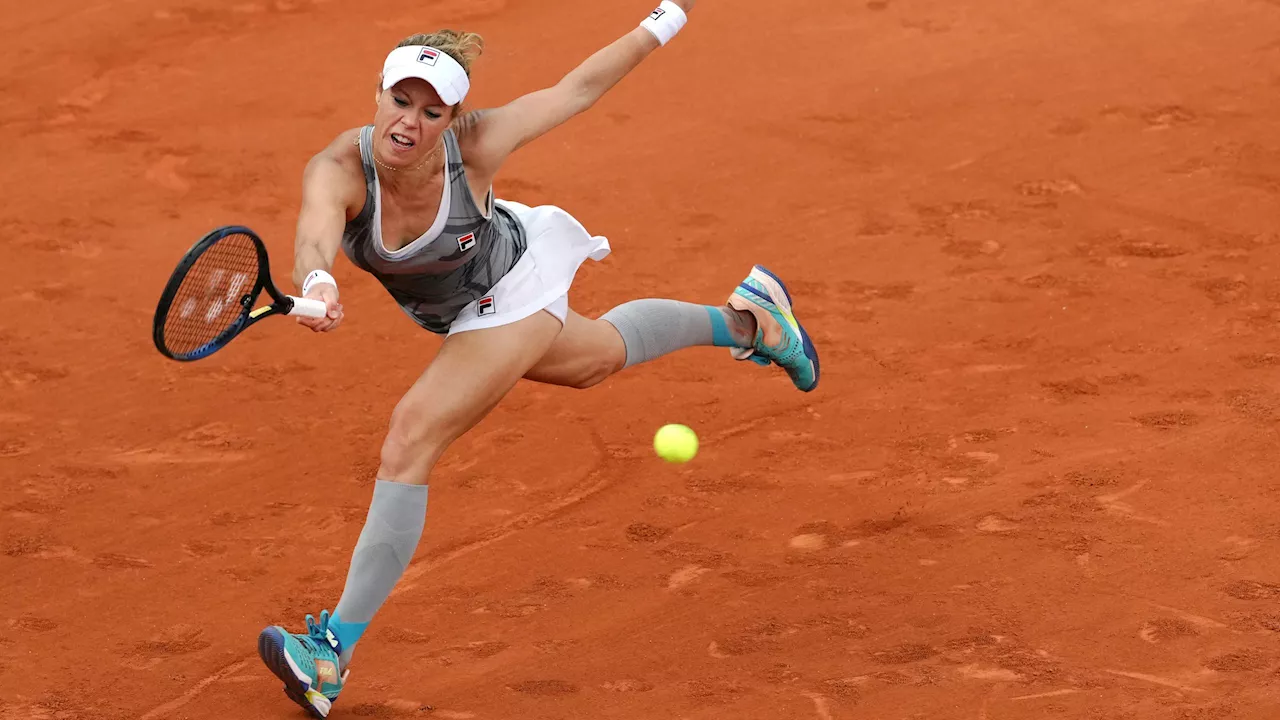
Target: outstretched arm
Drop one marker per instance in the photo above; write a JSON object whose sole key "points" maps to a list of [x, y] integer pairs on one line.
{"points": [[319, 235], [489, 136]]}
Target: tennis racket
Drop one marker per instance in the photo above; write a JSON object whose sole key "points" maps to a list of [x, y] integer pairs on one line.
{"points": [[210, 297]]}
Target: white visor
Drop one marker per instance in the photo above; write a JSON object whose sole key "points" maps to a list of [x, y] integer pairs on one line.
{"points": [[435, 66]]}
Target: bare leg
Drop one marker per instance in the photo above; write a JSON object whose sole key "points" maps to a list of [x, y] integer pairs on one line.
{"points": [[470, 375], [585, 353]]}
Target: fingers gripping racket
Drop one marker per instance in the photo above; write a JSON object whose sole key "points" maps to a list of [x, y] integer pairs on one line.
{"points": [[210, 297]]}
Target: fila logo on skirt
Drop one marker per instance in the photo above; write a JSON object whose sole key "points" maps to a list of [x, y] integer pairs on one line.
{"points": [[486, 306]]}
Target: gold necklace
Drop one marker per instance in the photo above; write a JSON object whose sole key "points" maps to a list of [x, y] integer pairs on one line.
{"points": [[430, 156]]}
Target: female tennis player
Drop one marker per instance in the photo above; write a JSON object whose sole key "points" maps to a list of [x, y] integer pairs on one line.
{"points": [[409, 200]]}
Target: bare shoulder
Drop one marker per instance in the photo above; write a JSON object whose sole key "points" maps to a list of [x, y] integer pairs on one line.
{"points": [[337, 170], [467, 125], [343, 151], [469, 128]]}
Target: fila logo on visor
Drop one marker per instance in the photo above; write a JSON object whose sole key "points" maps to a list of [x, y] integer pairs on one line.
{"points": [[466, 242], [486, 306], [428, 56]]}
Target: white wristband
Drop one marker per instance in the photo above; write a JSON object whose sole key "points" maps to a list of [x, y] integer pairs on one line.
{"points": [[317, 276], [665, 22]]}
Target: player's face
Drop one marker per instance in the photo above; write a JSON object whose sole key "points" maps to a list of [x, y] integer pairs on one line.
{"points": [[408, 123]]}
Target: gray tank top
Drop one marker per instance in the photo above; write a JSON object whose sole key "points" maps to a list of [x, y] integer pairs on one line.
{"points": [[458, 260]]}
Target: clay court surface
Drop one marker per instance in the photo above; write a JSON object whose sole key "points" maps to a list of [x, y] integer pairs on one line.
{"points": [[1036, 243]]}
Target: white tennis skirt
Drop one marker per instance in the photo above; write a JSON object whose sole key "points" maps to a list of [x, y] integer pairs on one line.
{"points": [[540, 279]]}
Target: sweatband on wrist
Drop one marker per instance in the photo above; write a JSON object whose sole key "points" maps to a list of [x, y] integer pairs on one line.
{"points": [[317, 276], [665, 22]]}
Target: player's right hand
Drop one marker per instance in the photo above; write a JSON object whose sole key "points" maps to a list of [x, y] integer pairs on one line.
{"points": [[328, 294]]}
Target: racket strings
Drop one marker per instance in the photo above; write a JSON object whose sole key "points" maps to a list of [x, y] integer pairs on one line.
{"points": [[209, 300]]}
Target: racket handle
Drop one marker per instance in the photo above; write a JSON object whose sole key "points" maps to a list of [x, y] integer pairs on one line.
{"points": [[307, 307]]}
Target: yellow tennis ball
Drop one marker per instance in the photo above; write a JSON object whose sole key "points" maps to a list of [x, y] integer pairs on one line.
{"points": [[675, 443]]}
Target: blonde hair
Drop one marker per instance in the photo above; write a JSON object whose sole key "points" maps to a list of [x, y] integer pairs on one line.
{"points": [[464, 47]]}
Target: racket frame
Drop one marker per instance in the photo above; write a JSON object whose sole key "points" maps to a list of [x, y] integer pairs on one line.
{"points": [[281, 304]]}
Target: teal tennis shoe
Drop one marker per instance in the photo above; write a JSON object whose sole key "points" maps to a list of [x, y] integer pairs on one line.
{"points": [[307, 664], [780, 339]]}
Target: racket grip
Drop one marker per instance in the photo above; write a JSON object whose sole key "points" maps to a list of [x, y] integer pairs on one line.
{"points": [[307, 307]]}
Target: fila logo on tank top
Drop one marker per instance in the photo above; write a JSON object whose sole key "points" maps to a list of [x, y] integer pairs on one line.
{"points": [[455, 262]]}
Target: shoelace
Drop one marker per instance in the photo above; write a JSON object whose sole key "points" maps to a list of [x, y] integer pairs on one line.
{"points": [[318, 632]]}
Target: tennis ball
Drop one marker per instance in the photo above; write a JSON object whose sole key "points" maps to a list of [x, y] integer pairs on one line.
{"points": [[675, 443]]}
